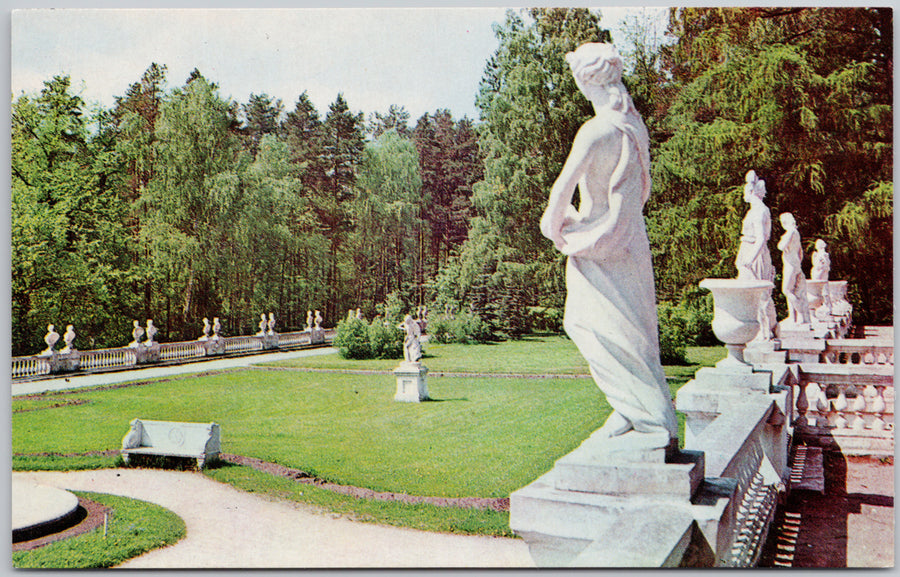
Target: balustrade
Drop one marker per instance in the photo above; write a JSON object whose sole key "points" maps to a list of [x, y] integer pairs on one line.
{"points": [[106, 358], [102, 359], [184, 350], [858, 352], [857, 416], [243, 344], [294, 339], [30, 367]]}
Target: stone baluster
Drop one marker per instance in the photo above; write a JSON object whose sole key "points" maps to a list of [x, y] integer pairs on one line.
{"points": [[840, 405], [878, 407], [802, 402], [859, 407]]}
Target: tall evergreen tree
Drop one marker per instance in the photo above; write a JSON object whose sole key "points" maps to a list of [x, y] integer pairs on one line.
{"points": [[343, 144], [802, 96], [530, 111], [261, 116]]}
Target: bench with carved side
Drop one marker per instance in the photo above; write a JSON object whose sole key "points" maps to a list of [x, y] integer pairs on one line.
{"points": [[200, 441]]}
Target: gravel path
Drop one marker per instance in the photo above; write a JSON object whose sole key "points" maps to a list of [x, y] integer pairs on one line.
{"points": [[227, 528]]}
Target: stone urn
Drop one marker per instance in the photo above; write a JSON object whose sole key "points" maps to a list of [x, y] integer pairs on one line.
{"points": [[817, 294], [736, 312], [838, 291]]}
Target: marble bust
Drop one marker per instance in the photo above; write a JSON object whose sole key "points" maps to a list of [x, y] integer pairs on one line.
{"points": [[821, 262], [793, 283], [610, 310]]}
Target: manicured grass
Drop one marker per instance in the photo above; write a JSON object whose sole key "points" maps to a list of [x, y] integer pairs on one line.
{"points": [[424, 517], [546, 355], [531, 355], [64, 462], [134, 528], [482, 437]]}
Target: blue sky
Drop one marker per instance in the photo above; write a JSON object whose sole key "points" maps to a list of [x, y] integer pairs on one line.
{"points": [[420, 58]]}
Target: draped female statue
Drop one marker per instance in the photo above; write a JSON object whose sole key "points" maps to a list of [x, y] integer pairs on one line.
{"points": [[610, 310]]}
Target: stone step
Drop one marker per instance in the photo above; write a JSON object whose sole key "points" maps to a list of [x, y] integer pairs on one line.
{"points": [[808, 470]]}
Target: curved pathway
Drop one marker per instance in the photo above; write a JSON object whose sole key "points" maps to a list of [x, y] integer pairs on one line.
{"points": [[227, 528]]}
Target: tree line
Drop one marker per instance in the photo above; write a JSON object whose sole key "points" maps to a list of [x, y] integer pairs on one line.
{"points": [[176, 204]]}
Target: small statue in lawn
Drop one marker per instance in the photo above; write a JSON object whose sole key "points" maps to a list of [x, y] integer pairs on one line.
{"points": [[412, 346]]}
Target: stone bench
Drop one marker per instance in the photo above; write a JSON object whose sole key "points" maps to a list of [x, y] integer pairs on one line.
{"points": [[199, 441]]}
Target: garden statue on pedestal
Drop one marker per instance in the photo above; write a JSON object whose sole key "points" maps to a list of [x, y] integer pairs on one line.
{"points": [[69, 338], [412, 346], [309, 321], [262, 325], [216, 328], [610, 310], [271, 324], [206, 329], [151, 333], [318, 321], [411, 383], [821, 262], [793, 283], [50, 339], [136, 333], [753, 260]]}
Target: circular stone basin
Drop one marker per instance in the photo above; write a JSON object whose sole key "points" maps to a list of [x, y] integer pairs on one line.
{"points": [[38, 509]]}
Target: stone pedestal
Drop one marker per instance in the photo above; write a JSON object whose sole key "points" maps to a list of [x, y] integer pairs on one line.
{"points": [[603, 505], [411, 386]]}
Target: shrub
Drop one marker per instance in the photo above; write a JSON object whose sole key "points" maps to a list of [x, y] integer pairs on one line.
{"points": [[546, 319], [357, 339], [385, 340], [352, 339], [464, 328], [672, 335]]}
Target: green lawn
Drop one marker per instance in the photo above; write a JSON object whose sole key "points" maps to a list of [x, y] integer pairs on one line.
{"points": [[134, 528], [553, 355], [481, 436]]}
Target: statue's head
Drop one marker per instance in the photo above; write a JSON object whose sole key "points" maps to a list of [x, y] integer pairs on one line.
{"points": [[596, 66], [820, 245], [787, 221]]}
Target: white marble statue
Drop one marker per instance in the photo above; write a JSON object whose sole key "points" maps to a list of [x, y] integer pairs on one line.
{"points": [[50, 339], [318, 320], [412, 346], [151, 333], [216, 328], [309, 320], [753, 261], [271, 324], [793, 282], [821, 262], [136, 333], [206, 329], [262, 325], [610, 310], [359, 314], [69, 338]]}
